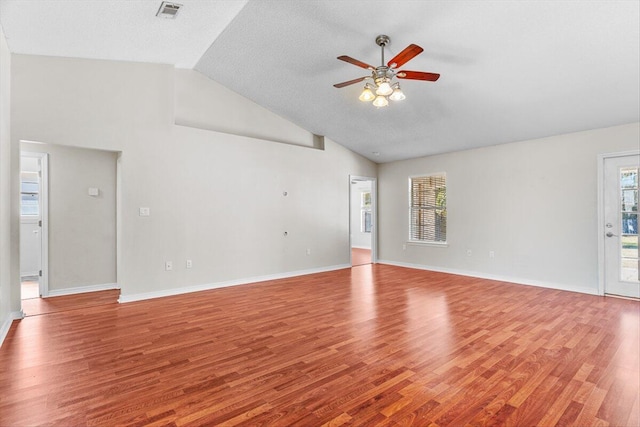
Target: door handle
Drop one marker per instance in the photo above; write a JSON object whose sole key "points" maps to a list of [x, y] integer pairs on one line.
{"points": [[610, 234]]}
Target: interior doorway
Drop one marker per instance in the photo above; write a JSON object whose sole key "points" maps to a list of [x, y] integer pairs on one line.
{"points": [[33, 224], [362, 230], [73, 211], [619, 261]]}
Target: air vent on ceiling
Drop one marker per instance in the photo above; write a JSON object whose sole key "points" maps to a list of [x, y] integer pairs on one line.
{"points": [[168, 10]]}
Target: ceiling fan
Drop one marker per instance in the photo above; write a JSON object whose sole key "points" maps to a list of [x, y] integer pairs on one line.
{"points": [[383, 88]]}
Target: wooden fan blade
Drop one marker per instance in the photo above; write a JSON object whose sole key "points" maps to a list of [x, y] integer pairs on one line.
{"points": [[405, 56], [350, 60], [350, 82], [417, 75]]}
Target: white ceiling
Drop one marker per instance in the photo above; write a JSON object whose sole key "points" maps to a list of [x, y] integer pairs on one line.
{"points": [[121, 30], [510, 70]]}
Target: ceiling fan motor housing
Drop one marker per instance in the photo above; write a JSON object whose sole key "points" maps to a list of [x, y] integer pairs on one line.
{"points": [[382, 73], [382, 40]]}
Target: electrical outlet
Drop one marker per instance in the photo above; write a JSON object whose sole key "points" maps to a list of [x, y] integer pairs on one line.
{"points": [[308, 251], [189, 263], [492, 254], [469, 253], [168, 266], [404, 247]]}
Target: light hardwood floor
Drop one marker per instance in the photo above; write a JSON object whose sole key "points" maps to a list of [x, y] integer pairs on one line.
{"points": [[29, 289], [39, 306], [360, 256], [371, 345]]}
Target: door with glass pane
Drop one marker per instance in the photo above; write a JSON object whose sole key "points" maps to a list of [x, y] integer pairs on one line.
{"points": [[622, 265]]}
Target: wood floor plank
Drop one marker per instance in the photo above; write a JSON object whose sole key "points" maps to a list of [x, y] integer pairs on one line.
{"points": [[371, 345]]}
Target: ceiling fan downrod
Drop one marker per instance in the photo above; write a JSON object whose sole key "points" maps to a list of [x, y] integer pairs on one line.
{"points": [[382, 41], [383, 74]]}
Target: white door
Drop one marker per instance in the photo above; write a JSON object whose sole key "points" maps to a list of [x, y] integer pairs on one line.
{"points": [[620, 198], [30, 246]]}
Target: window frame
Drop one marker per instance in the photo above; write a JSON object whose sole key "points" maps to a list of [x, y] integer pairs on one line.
{"points": [[411, 241], [365, 210], [30, 192]]}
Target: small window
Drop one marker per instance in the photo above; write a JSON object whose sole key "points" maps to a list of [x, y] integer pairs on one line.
{"points": [[365, 210], [428, 208], [29, 194]]}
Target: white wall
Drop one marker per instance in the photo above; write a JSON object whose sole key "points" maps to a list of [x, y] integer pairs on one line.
{"points": [[198, 105], [533, 203], [82, 228], [359, 239], [9, 260], [214, 198]]}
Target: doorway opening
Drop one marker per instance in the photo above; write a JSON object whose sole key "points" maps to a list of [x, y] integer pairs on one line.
{"points": [[362, 230], [33, 224], [70, 209]]}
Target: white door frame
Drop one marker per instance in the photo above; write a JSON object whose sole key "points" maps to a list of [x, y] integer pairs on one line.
{"points": [[374, 216], [43, 159], [601, 227]]}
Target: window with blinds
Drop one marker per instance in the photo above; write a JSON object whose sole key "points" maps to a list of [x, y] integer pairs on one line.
{"points": [[428, 208]]}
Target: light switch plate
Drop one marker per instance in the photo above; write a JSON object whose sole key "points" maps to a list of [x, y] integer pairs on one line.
{"points": [[145, 212], [93, 191]]}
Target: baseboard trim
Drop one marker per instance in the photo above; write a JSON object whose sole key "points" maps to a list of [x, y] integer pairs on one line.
{"points": [[500, 278], [82, 289], [209, 286], [8, 321], [29, 274], [360, 247]]}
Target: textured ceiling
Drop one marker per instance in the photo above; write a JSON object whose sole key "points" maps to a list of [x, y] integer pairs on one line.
{"points": [[121, 30], [510, 70]]}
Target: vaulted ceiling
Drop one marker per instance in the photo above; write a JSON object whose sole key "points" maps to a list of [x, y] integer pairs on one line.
{"points": [[510, 70]]}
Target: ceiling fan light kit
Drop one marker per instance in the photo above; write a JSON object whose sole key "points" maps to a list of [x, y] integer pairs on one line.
{"points": [[383, 87], [367, 94], [397, 94], [380, 101]]}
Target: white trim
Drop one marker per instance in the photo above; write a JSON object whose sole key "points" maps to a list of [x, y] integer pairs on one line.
{"points": [[44, 200], [317, 141], [600, 208], [28, 274], [600, 225], [83, 289], [509, 279], [427, 243], [209, 286], [6, 325], [360, 247], [119, 222]]}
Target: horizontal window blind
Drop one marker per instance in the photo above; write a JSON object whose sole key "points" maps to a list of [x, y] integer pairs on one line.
{"points": [[428, 209]]}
